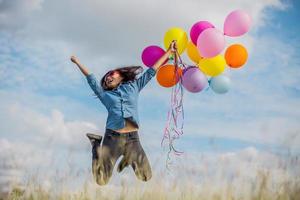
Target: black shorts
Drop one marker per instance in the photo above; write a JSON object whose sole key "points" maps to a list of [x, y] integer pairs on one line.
{"points": [[120, 144]]}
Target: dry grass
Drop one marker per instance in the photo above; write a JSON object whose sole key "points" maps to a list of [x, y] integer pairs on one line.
{"points": [[272, 178], [260, 188]]}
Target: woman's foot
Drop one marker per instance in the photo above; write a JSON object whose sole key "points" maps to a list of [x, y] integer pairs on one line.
{"points": [[95, 142], [94, 139]]}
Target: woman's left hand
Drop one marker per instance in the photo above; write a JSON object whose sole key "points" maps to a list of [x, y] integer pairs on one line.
{"points": [[173, 46]]}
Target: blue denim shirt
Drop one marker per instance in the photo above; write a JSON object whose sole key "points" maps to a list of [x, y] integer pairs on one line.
{"points": [[121, 102]]}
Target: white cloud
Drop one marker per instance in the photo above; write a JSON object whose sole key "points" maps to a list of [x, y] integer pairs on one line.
{"points": [[99, 33], [32, 141], [19, 160], [98, 29], [20, 121]]}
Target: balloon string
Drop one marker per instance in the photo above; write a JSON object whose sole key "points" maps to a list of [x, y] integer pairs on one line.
{"points": [[175, 118]]}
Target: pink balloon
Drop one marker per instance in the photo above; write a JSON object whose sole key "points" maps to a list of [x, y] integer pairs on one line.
{"points": [[210, 42], [194, 80], [237, 23], [151, 54], [197, 29]]}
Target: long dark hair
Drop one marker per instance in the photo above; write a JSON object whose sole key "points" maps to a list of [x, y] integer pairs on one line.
{"points": [[129, 73]]}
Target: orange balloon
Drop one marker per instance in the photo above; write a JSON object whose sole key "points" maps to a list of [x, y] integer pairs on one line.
{"points": [[236, 55], [166, 75]]}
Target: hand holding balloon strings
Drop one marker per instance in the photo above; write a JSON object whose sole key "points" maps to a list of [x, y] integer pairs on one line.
{"points": [[173, 46]]}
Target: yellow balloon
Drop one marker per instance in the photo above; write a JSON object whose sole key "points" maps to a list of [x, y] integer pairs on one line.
{"points": [[212, 66], [193, 52], [179, 35]]}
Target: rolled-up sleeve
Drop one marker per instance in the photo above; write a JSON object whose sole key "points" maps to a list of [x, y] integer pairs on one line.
{"points": [[145, 78], [95, 85]]}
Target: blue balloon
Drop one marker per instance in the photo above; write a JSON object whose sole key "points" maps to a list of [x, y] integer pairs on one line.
{"points": [[220, 84]]}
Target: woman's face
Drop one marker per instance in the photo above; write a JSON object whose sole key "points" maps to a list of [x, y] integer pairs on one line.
{"points": [[113, 79]]}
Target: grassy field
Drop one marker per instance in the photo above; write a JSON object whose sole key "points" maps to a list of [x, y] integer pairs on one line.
{"points": [[254, 191], [249, 181]]}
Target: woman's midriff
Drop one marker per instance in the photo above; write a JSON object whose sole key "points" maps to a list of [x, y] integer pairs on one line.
{"points": [[129, 127]]}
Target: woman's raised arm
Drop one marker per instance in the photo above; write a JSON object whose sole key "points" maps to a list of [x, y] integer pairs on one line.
{"points": [[171, 50], [91, 79], [82, 68]]}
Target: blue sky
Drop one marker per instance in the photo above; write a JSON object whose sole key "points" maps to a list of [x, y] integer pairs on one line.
{"points": [[45, 101]]}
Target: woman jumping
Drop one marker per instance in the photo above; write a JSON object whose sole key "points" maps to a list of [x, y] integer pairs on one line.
{"points": [[118, 91]]}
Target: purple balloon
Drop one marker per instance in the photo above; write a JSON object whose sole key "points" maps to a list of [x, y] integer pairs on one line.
{"points": [[194, 80], [237, 23], [197, 28], [151, 54]]}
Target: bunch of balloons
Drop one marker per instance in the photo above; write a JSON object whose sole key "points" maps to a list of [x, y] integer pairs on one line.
{"points": [[204, 49]]}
